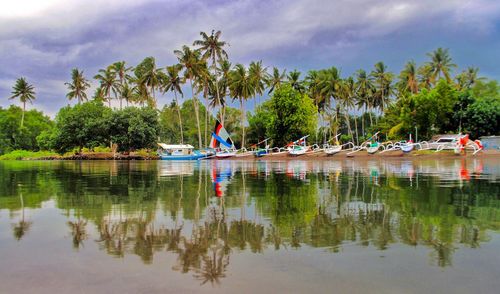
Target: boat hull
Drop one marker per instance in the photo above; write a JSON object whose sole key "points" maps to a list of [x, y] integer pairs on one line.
{"points": [[333, 150], [183, 157]]}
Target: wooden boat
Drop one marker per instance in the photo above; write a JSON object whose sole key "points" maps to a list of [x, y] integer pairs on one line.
{"points": [[225, 153], [297, 148], [221, 142], [261, 152], [179, 152], [332, 149]]}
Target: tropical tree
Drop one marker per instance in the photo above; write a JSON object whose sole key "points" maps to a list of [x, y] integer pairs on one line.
{"points": [[364, 95], [191, 62], [127, 92], [440, 64], [347, 94], [408, 78], [383, 85], [107, 83], [294, 80], [241, 88], [149, 76], [25, 92], [275, 80], [258, 76], [78, 85], [212, 48], [120, 70], [223, 87], [329, 83], [173, 83], [467, 78], [425, 77]]}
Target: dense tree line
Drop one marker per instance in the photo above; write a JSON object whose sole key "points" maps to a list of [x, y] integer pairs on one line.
{"points": [[426, 99]]}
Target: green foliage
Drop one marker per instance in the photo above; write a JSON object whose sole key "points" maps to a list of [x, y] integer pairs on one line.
{"points": [[13, 136], [83, 125], [258, 123], [134, 128], [482, 117], [292, 115], [25, 154]]}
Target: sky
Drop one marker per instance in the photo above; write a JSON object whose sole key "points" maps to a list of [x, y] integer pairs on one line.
{"points": [[43, 40]]}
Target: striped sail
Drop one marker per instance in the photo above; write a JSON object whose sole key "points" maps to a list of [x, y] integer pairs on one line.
{"points": [[220, 138]]}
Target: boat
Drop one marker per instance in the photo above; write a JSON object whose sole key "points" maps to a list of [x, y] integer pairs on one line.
{"points": [[221, 142], [179, 152], [372, 148], [333, 149], [261, 152], [298, 147]]}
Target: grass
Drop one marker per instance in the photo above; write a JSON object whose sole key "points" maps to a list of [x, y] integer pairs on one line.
{"points": [[24, 154]]}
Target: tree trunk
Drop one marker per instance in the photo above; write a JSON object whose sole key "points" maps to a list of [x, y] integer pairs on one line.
{"points": [[363, 124], [346, 115], [356, 127], [242, 106], [180, 117], [196, 112], [22, 116]]}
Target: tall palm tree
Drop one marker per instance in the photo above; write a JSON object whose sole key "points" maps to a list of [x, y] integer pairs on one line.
{"points": [[212, 48], [241, 88], [441, 63], [330, 83], [127, 92], [78, 85], [203, 84], [313, 85], [173, 82], [467, 78], [275, 80], [383, 85], [408, 78], [191, 62], [425, 76], [223, 88], [151, 77], [25, 92], [347, 95], [258, 75], [294, 80], [120, 70], [108, 83], [364, 94]]}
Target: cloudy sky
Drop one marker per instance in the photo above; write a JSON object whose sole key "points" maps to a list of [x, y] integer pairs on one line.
{"points": [[44, 40]]}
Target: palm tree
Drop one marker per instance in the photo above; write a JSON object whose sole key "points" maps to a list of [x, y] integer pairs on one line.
{"points": [[78, 85], [191, 62], [173, 82], [440, 63], [127, 92], [425, 76], [212, 48], [120, 70], [275, 80], [347, 95], [408, 80], [203, 84], [222, 86], [467, 78], [241, 88], [294, 80], [258, 75], [108, 83], [364, 93], [313, 85], [25, 92], [151, 77], [330, 83], [383, 85], [22, 226]]}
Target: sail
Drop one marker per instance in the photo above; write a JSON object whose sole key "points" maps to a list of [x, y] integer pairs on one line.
{"points": [[220, 137]]}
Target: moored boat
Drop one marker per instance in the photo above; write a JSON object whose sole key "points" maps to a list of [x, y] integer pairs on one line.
{"points": [[298, 147], [179, 152], [221, 142]]}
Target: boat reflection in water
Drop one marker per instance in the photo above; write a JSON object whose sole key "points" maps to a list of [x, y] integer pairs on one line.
{"points": [[202, 213]]}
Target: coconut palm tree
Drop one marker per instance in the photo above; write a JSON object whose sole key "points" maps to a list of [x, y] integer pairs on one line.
{"points": [[425, 76], [275, 80], [223, 87], [108, 83], [441, 63], [364, 95], [347, 94], [120, 70], [151, 77], [383, 85], [258, 75], [212, 48], [294, 80], [330, 83], [241, 88], [191, 62], [173, 82], [408, 78], [78, 85], [467, 78], [203, 84], [25, 92], [127, 92]]}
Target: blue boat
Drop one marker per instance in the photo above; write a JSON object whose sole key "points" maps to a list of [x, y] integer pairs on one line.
{"points": [[180, 152]]}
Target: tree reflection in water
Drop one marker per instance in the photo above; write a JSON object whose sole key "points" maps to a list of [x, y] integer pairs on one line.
{"points": [[263, 206]]}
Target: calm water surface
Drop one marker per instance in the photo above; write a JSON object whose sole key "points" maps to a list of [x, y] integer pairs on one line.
{"points": [[227, 226]]}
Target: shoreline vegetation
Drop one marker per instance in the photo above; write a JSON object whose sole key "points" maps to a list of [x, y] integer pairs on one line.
{"points": [[123, 118]]}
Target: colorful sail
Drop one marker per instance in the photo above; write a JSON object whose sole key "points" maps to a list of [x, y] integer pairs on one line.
{"points": [[220, 138]]}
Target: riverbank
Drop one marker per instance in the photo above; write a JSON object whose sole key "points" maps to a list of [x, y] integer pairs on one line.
{"points": [[141, 155]]}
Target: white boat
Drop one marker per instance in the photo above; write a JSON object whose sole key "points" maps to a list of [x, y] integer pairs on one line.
{"points": [[298, 147], [225, 153], [179, 152], [332, 149]]}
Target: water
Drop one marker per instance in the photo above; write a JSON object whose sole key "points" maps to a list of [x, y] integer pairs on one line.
{"points": [[228, 226]]}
